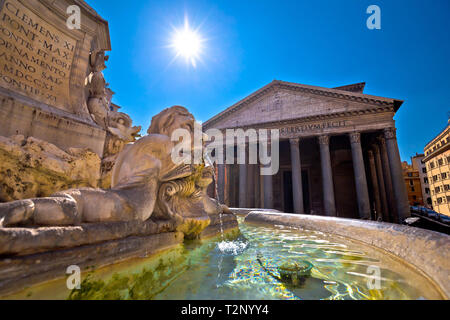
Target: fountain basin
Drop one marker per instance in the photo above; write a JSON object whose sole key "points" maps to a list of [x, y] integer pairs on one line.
{"points": [[427, 251], [250, 264], [30, 256]]}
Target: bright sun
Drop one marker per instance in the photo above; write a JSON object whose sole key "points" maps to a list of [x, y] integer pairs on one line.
{"points": [[187, 43]]}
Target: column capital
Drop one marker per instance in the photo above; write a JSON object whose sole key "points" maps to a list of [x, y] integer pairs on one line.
{"points": [[390, 133], [294, 141], [324, 140], [355, 137], [381, 140]]}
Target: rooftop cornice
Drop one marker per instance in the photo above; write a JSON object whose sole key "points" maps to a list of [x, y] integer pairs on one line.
{"points": [[83, 4], [437, 152], [355, 87], [439, 136], [105, 43], [320, 91]]}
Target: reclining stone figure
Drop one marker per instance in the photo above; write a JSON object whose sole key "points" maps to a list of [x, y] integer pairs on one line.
{"points": [[145, 182]]}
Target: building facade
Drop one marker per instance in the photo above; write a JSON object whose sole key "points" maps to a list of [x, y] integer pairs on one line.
{"points": [[419, 165], [412, 183], [338, 153], [437, 161]]}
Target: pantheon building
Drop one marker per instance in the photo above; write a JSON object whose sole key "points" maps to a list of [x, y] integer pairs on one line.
{"points": [[338, 153]]}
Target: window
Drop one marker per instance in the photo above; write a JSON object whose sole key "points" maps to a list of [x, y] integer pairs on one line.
{"points": [[447, 187], [411, 183], [425, 180], [437, 189], [448, 198], [414, 198], [424, 170], [435, 178], [427, 190], [439, 200], [412, 189], [432, 164], [440, 162], [444, 175]]}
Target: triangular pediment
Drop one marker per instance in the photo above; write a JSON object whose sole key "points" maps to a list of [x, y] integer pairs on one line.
{"points": [[283, 101]]}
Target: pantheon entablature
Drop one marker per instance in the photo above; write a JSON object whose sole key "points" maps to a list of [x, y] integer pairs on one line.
{"points": [[338, 153]]}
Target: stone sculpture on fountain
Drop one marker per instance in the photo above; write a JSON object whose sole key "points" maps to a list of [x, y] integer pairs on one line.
{"points": [[145, 183]]}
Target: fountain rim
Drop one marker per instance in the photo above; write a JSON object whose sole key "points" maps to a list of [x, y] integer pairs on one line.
{"points": [[428, 252]]}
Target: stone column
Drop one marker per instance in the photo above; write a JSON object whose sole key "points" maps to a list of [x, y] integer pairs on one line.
{"points": [[221, 182], [297, 190], [251, 185], [381, 184], [257, 187], [243, 182], [253, 174], [362, 193], [235, 184], [387, 180], [376, 189], [268, 188], [268, 192], [327, 176], [228, 186], [398, 184]]}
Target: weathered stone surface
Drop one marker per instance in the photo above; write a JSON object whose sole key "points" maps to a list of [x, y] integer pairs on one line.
{"points": [[22, 241], [106, 171], [35, 168], [19, 272], [427, 251]]}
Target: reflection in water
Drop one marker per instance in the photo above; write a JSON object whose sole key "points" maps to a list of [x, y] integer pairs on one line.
{"points": [[229, 269]]}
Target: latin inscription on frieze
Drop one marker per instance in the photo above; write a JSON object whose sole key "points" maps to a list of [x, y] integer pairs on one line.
{"points": [[35, 57], [311, 127]]}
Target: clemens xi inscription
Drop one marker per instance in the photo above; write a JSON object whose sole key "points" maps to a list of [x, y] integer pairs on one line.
{"points": [[44, 73], [35, 57]]}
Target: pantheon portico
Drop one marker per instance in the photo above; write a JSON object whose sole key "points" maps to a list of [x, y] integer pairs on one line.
{"points": [[338, 153]]}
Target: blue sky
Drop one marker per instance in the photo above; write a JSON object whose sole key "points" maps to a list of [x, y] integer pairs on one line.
{"points": [[250, 43]]}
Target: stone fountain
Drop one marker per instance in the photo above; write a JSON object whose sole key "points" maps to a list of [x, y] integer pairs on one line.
{"points": [[77, 186], [81, 189], [152, 205]]}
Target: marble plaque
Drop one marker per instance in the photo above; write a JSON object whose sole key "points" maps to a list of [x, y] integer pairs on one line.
{"points": [[35, 57]]}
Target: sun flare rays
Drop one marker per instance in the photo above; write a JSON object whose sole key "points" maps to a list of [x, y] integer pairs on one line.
{"points": [[187, 43]]}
